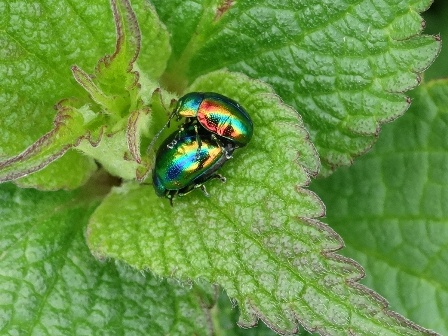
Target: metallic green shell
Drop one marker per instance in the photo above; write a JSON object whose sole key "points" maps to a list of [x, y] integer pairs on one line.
{"points": [[178, 167]]}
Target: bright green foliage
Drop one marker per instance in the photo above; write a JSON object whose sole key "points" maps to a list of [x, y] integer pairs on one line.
{"points": [[254, 236], [54, 177], [392, 209], [35, 76], [114, 114], [342, 64], [68, 131], [50, 284], [155, 44]]}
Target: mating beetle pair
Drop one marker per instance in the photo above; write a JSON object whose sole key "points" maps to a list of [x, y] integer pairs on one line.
{"points": [[214, 127]]}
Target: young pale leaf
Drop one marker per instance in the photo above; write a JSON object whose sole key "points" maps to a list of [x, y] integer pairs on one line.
{"points": [[68, 131], [114, 84], [115, 87], [51, 285], [391, 209], [37, 75], [255, 235], [68, 172], [343, 65]]}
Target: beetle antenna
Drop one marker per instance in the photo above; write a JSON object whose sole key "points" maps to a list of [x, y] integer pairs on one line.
{"points": [[160, 132]]}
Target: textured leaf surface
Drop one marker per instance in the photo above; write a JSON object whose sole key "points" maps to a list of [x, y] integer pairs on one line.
{"points": [[342, 64], [35, 76], [51, 285], [225, 316], [255, 235], [392, 210], [67, 132], [68, 172]]}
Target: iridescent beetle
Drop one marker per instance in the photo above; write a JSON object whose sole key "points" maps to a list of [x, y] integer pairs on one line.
{"points": [[182, 166], [215, 126], [217, 114]]}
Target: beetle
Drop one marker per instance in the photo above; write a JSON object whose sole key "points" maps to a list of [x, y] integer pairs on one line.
{"points": [[211, 112], [181, 166], [217, 114]]}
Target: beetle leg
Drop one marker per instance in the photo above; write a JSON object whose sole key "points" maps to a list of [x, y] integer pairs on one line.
{"points": [[202, 187], [219, 177], [198, 186], [170, 195], [176, 138], [172, 144], [220, 144]]}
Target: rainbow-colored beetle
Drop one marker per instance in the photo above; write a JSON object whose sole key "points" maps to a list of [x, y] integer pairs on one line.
{"points": [[215, 126], [217, 114], [181, 167]]}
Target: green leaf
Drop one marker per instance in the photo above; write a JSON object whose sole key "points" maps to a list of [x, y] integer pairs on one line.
{"points": [[41, 77], [155, 44], [51, 285], [342, 64], [68, 172], [391, 209], [35, 76], [114, 84], [115, 87], [255, 236], [68, 132]]}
